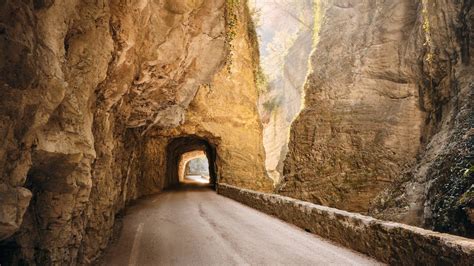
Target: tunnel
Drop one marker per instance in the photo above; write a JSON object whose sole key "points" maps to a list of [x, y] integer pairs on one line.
{"points": [[182, 145]]}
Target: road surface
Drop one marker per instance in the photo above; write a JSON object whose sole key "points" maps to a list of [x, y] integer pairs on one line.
{"points": [[196, 226]]}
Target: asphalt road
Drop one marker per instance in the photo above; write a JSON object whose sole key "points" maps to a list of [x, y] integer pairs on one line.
{"points": [[196, 226]]}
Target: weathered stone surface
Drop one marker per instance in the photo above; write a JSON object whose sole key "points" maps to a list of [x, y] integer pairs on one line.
{"points": [[84, 87], [361, 121], [387, 105], [92, 92], [437, 192], [224, 113], [14, 201], [389, 242]]}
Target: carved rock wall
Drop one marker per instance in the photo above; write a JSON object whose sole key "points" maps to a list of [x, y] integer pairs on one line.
{"points": [[84, 87], [224, 113]]}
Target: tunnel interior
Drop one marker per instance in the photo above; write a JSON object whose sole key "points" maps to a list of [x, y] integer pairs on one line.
{"points": [[180, 151]]}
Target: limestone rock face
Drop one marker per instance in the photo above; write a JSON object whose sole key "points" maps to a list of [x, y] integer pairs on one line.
{"points": [[438, 191], [224, 113], [361, 121], [390, 93], [14, 201], [83, 86]]}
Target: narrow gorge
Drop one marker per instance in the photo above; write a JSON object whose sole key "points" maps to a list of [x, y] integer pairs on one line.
{"points": [[355, 108]]}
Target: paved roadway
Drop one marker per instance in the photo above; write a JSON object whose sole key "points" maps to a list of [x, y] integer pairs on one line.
{"points": [[196, 226]]}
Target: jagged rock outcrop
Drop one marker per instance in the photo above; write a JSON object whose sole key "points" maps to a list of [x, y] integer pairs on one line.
{"points": [[84, 86], [390, 92]]}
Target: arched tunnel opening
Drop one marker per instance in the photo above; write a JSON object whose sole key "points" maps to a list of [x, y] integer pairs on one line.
{"points": [[181, 151]]}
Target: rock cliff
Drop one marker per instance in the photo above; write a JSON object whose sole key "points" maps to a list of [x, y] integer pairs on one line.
{"points": [[389, 105], [99, 100]]}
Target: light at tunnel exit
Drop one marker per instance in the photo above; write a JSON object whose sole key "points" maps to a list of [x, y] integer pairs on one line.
{"points": [[194, 168]]}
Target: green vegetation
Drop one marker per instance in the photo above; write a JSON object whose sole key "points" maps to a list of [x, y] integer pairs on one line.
{"points": [[272, 104], [427, 30], [231, 24], [318, 20], [256, 15], [467, 197], [261, 80], [469, 171]]}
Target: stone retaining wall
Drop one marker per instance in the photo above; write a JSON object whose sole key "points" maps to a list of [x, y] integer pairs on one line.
{"points": [[389, 242]]}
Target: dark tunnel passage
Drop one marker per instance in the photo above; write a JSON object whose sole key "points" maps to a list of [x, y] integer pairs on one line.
{"points": [[184, 144]]}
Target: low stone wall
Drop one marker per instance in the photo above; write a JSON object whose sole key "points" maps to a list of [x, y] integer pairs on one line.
{"points": [[388, 242]]}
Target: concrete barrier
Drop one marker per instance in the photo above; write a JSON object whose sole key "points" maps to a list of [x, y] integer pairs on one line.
{"points": [[389, 242]]}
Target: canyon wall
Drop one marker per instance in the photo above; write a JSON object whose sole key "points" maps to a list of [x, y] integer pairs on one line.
{"points": [[86, 88], [438, 191], [388, 105], [286, 38], [93, 92]]}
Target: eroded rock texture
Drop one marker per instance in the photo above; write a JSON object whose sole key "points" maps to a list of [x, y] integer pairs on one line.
{"points": [[83, 86], [224, 113], [390, 92], [437, 192]]}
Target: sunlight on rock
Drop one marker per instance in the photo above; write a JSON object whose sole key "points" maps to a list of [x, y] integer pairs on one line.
{"points": [[134, 132]]}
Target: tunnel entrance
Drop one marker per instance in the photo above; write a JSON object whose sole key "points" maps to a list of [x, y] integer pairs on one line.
{"points": [[186, 152]]}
